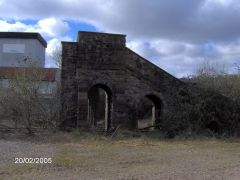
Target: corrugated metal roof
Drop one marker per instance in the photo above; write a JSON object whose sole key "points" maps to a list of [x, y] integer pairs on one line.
{"points": [[36, 74]]}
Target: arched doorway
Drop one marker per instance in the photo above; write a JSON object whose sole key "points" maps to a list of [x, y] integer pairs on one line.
{"points": [[149, 112], [100, 106]]}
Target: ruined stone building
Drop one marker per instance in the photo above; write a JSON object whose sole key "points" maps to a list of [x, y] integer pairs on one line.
{"points": [[100, 63]]}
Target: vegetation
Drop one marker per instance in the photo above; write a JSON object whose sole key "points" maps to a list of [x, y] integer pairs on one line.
{"points": [[56, 56], [28, 101], [209, 105]]}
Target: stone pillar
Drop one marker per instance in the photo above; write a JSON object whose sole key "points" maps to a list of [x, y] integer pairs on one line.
{"points": [[84, 112], [68, 87]]}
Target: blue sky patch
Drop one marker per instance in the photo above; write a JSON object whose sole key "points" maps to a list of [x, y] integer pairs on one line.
{"points": [[210, 47], [79, 26]]}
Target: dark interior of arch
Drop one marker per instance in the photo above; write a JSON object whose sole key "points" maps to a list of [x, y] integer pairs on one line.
{"points": [[100, 106], [149, 112], [155, 100]]}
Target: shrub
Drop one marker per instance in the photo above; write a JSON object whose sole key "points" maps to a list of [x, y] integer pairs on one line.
{"points": [[23, 101], [209, 105]]}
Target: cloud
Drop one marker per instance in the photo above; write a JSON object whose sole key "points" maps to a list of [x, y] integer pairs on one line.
{"points": [[52, 27], [183, 59], [49, 27], [54, 49], [56, 43], [176, 35], [143, 48], [188, 20], [18, 26]]}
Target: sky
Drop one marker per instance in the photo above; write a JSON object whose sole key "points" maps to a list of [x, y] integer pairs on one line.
{"points": [[179, 36]]}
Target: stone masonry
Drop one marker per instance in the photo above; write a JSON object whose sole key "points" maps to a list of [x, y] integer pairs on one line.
{"points": [[101, 60]]}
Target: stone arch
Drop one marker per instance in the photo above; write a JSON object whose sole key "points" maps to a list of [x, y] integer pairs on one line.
{"points": [[103, 60], [156, 110], [96, 106]]}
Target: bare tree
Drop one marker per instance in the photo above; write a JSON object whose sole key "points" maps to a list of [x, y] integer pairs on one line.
{"points": [[56, 55], [25, 101], [237, 67], [214, 77]]}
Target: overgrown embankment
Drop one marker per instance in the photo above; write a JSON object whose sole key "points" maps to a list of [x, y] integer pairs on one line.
{"points": [[209, 105]]}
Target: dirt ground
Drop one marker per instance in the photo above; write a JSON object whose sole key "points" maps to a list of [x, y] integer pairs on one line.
{"points": [[94, 157]]}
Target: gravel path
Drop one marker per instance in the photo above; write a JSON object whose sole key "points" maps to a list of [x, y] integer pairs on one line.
{"points": [[131, 159], [11, 149]]}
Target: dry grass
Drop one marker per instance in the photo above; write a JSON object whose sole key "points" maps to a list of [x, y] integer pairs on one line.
{"points": [[142, 123], [90, 156]]}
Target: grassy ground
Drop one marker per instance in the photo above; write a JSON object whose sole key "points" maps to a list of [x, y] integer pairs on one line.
{"points": [[91, 156]]}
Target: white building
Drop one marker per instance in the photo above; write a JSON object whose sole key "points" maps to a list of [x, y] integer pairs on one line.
{"points": [[21, 49], [23, 55]]}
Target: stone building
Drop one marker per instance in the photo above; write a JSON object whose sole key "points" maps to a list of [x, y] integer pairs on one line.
{"points": [[101, 62]]}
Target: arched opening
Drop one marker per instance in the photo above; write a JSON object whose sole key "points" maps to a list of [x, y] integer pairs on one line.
{"points": [[149, 112], [100, 107]]}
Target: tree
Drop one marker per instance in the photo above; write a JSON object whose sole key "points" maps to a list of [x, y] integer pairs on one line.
{"points": [[24, 99], [56, 55]]}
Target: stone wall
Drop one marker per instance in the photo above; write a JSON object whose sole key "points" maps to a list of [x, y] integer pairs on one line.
{"points": [[102, 60]]}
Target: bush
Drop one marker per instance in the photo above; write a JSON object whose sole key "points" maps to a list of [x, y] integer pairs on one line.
{"points": [[22, 101], [209, 105]]}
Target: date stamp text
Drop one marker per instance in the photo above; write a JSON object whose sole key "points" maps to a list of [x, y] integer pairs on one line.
{"points": [[33, 160]]}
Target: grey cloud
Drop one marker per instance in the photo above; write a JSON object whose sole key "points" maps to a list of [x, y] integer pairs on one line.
{"points": [[183, 28], [184, 59], [188, 20]]}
